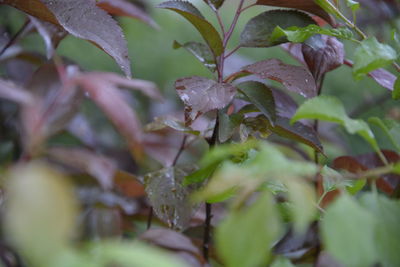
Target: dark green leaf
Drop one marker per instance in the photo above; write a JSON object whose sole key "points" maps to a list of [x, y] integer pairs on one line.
{"points": [[258, 31], [396, 89], [371, 55], [168, 197], [236, 242], [261, 96], [201, 52], [294, 78], [347, 232], [215, 4], [193, 15], [227, 125]]}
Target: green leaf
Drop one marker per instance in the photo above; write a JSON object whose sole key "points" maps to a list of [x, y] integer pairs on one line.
{"points": [[299, 35], [201, 51], [353, 5], [396, 89], [227, 125], [282, 262], [40, 213], [168, 197], [391, 128], [371, 55], [386, 235], [328, 7], [303, 199], [258, 31], [113, 253], [329, 108], [236, 243], [261, 96], [205, 28], [347, 232]]}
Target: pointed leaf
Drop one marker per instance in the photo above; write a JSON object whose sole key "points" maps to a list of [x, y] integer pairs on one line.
{"points": [[169, 198], [201, 95], [294, 78], [371, 55], [126, 8], [261, 96], [201, 52], [227, 125], [193, 15], [241, 248], [89, 22], [329, 108], [258, 31], [305, 5]]}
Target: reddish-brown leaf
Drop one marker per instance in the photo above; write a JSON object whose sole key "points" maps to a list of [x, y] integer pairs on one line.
{"points": [[128, 184], [294, 78], [305, 5], [128, 9], [201, 95], [103, 90], [98, 166], [33, 7]]}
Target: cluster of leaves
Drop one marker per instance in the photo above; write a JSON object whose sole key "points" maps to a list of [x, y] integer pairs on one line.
{"points": [[266, 169]]}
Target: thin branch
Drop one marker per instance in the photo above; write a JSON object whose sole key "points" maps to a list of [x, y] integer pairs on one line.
{"points": [[221, 24], [247, 7], [233, 51], [17, 35], [181, 148]]}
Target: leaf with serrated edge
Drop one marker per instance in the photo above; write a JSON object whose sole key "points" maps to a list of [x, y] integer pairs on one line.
{"points": [[93, 24], [193, 15], [294, 78]]}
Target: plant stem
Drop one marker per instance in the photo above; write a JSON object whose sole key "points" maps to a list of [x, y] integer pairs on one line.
{"points": [[180, 150], [233, 51], [149, 218], [207, 230], [20, 32]]}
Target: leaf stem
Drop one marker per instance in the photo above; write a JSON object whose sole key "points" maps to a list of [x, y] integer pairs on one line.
{"points": [[180, 150], [247, 7], [221, 24], [20, 32], [232, 51]]}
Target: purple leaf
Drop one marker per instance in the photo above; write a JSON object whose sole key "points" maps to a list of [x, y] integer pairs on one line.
{"points": [[98, 166], [201, 95], [294, 78], [285, 105], [85, 20], [326, 53]]}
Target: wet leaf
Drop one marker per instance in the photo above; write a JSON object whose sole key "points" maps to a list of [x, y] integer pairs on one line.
{"points": [[173, 123], [201, 95], [40, 212], [294, 78], [258, 31], [329, 108], [240, 248], [261, 96], [100, 167], [346, 236], [326, 54], [371, 55], [126, 8], [168, 197], [51, 34], [103, 90], [193, 15], [89, 23], [201, 52], [305, 5]]}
